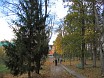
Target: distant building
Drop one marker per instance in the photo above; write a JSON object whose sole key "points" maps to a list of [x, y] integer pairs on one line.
{"points": [[51, 49], [4, 43]]}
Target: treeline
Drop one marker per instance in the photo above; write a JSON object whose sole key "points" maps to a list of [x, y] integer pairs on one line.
{"points": [[82, 33]]}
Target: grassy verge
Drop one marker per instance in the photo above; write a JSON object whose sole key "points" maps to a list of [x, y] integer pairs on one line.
{"points": [[89, 71], [3, 69]]}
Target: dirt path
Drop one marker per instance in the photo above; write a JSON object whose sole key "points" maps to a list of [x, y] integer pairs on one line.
{"points": [[59, 72]]}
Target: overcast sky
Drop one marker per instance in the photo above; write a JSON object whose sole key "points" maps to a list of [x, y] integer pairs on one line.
{"points": [[58, 9], [5, 31], [60, 12]]}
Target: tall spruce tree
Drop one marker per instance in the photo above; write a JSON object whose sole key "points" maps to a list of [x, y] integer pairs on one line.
{"points": [[31, 42]]}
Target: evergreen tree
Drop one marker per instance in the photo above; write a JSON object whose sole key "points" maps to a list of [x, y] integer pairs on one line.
{"points": [[31, 42]]}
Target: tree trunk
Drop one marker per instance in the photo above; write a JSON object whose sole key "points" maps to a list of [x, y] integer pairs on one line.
{"points": [[102, 46], [38, 66], [70, 58], [29, 74], [85, 58], [29, 71], [94, 39], [94, 53], [82, 34], [94, 58], [82, 59], [102, 60]]}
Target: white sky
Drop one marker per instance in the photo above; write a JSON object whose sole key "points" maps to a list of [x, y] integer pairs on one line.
{"points": [[5, 31], [7, 34], [60, 12]]}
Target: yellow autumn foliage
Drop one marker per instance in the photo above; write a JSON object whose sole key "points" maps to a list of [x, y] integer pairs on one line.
{"points": [[58, 44]]}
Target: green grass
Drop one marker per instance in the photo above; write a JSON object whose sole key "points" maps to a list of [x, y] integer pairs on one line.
{"points": [[3, 69]]}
